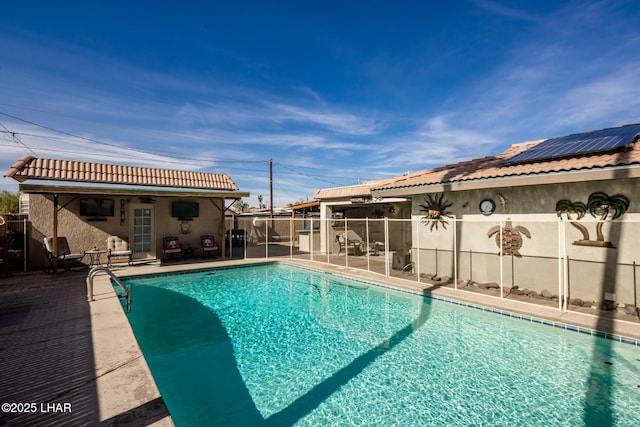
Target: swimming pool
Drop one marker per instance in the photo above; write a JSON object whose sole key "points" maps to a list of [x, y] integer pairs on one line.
{"points": [[275, 344]]}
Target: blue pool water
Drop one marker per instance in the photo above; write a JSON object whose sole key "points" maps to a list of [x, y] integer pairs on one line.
{"points": [[280, 345]]}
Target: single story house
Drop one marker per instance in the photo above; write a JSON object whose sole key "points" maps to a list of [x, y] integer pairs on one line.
{"points": [[88, 202], [564, 213]]}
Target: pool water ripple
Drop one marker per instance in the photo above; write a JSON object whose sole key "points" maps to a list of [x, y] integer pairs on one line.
{"points": [[306, 348]]}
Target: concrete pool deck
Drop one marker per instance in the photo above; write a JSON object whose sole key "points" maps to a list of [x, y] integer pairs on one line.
{"points": [[69, 361]]}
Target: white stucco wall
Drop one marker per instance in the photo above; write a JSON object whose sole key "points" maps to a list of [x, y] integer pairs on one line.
{"points": [[593, 271]]}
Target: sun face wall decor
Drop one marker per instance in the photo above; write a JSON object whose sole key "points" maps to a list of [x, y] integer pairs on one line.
{"points": [[436, 211]]}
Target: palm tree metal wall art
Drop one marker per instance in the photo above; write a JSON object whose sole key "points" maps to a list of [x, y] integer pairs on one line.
{"points": [[580, 209], [599, 204]]}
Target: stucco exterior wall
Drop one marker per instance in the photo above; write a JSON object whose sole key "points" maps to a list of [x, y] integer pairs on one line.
{"points": [[592, 271], [83, 233]]}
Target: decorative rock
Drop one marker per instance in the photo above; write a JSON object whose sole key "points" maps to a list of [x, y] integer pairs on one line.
{"points": [[632, 310], [546, 294], [603, 305], [576, 301]]}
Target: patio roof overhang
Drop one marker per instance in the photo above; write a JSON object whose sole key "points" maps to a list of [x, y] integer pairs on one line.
{"points": [[313, 206], [361, 202], [38, 186]]}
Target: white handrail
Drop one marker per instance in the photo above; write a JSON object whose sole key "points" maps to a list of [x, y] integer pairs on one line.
{"points": [[96, 270]]}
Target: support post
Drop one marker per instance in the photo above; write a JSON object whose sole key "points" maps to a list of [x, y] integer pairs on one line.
{"points": [[501, 263], [271, 188], [55, 234]]}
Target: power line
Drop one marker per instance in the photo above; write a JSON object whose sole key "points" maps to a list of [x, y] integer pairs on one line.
{"points": [[173, 155], [119, 157], [73, 139], [17, 140], [310, 176], [188, 160], [175, 159], [63, 132]]}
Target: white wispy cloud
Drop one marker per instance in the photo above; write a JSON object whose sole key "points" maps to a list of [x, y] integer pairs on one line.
{"points": [[604, 98], [506, 11], [563, 72], [346, 123], [436, 143], [566, 74]]}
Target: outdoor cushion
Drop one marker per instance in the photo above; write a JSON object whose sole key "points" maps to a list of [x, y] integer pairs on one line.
{"points": [[208, 243]]}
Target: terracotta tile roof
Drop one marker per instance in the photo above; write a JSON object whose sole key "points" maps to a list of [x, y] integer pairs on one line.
{"points": [[67, 170], [361, 190], [491, 167]]}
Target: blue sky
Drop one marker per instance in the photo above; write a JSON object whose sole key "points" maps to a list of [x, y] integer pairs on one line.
{"points": [[334, 92]]}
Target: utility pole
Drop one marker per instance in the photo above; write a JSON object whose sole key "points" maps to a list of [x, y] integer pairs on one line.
{"points": [[271, 187]]}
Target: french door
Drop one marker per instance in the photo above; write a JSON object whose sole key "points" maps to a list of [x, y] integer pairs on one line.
{"points": [[142, 231]]}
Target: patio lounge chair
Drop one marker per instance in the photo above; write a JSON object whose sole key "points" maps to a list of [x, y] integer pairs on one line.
{"points": [[350, 240], [118, 247], [209, 245], [65, 258], [171, 246]]}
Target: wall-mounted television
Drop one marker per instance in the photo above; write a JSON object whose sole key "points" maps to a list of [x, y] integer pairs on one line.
{"points": [[185, 209], [96, 207]]}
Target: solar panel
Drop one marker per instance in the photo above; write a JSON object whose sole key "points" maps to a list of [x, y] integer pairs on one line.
{"points": [[579, 143]]}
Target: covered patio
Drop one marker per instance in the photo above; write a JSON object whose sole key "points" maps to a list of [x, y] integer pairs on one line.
{"points": [[88, 202]]}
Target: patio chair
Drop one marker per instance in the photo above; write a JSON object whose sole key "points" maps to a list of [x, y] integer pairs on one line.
{"points": [[350, 240], [4, 258], [209, 245], [65, 258], [376, 243], [171, 246], [118, 247]]}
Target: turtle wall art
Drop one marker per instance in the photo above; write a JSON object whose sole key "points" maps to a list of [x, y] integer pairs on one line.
{"points": [[511, 238], [599, 204]]}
